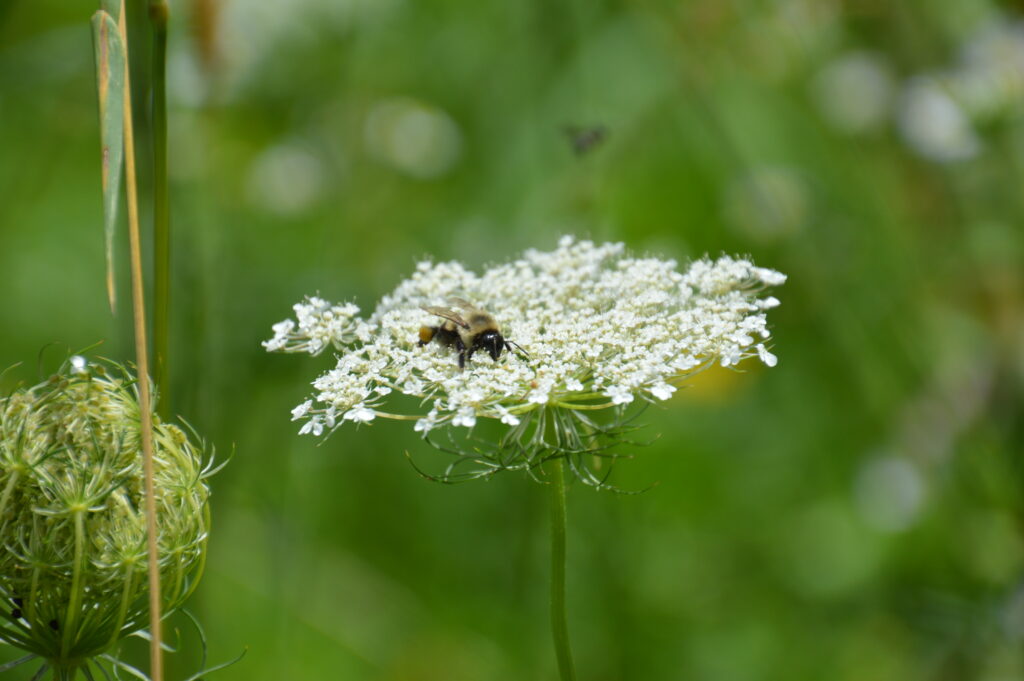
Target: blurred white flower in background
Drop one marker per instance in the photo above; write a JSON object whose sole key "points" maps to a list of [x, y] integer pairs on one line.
{"points": [[889, 492], [412, 137], [933, 123], [937, 113], [855, 92], [286, 179], [990, 77]]}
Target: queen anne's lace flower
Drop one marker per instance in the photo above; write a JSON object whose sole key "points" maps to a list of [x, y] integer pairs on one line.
{"points": [[602, 328], [317, 325]]}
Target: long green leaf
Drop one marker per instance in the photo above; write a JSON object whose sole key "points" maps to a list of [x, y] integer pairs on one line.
{"points": [[110, 72]]}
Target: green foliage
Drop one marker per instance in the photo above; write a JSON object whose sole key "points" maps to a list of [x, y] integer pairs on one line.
{"points": [[852, 514]]}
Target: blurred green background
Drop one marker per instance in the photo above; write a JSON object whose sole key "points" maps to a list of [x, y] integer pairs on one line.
{"points": [[855, 513]]}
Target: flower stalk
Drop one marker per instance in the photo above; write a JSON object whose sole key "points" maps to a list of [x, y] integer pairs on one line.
{"points": [[559, 623]]}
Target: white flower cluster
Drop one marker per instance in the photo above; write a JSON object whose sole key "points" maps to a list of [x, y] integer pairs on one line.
{"points": [[601, 329], [317, 325]]}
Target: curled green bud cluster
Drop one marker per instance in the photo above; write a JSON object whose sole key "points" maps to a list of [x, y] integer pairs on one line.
{"points": [[73, 569]]}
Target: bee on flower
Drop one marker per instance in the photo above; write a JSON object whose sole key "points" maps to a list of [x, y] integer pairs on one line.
{"points": [[603, 329]]}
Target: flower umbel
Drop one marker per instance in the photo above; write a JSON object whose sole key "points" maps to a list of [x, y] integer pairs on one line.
{"points": [[603, 330], [73, 572], [317, 325]]}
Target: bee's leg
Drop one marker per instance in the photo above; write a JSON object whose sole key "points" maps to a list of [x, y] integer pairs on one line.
{"points": [[463, 355]]}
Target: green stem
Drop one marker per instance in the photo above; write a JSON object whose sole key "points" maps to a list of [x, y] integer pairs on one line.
{"points": [[70, 620], [158, 14], [179, 579], [197, 572], [583, 407], [398, 417], [32, 590], [559, 626], [11, 482], [126, 597]]}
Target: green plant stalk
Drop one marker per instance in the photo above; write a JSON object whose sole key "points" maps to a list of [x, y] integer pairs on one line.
{"points": [[559, 625], [122, 610], [7, 492], [76, 584], [158, 14], [33, 589]]}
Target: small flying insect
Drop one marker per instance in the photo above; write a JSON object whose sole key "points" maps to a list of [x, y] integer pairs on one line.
{"points": [[583, 139], [467, 331]]}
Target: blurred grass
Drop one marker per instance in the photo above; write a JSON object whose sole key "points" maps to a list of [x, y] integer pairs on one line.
{"points": [[768, 550]]}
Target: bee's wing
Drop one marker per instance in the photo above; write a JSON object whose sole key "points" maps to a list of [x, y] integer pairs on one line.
{"points": [[450, 315], [463, 304]]}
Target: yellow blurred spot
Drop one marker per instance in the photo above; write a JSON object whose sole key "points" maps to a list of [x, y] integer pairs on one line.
{"points": [[714, 385]]}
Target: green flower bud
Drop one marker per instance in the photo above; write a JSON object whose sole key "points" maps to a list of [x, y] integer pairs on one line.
{"points": [[73, 569]]}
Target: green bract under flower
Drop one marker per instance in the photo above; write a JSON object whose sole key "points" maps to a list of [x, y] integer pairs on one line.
{"points": [[602, 329], [73, 570]]}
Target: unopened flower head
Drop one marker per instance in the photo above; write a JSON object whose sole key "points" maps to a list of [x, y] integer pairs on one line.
{"points": [[602, 329], [73, 570]]}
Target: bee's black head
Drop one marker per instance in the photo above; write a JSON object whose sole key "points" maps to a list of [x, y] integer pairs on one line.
{"points": [[492, 342]]}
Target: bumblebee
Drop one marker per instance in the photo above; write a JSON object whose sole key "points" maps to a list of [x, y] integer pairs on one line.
{"points": [[467, 331]]}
